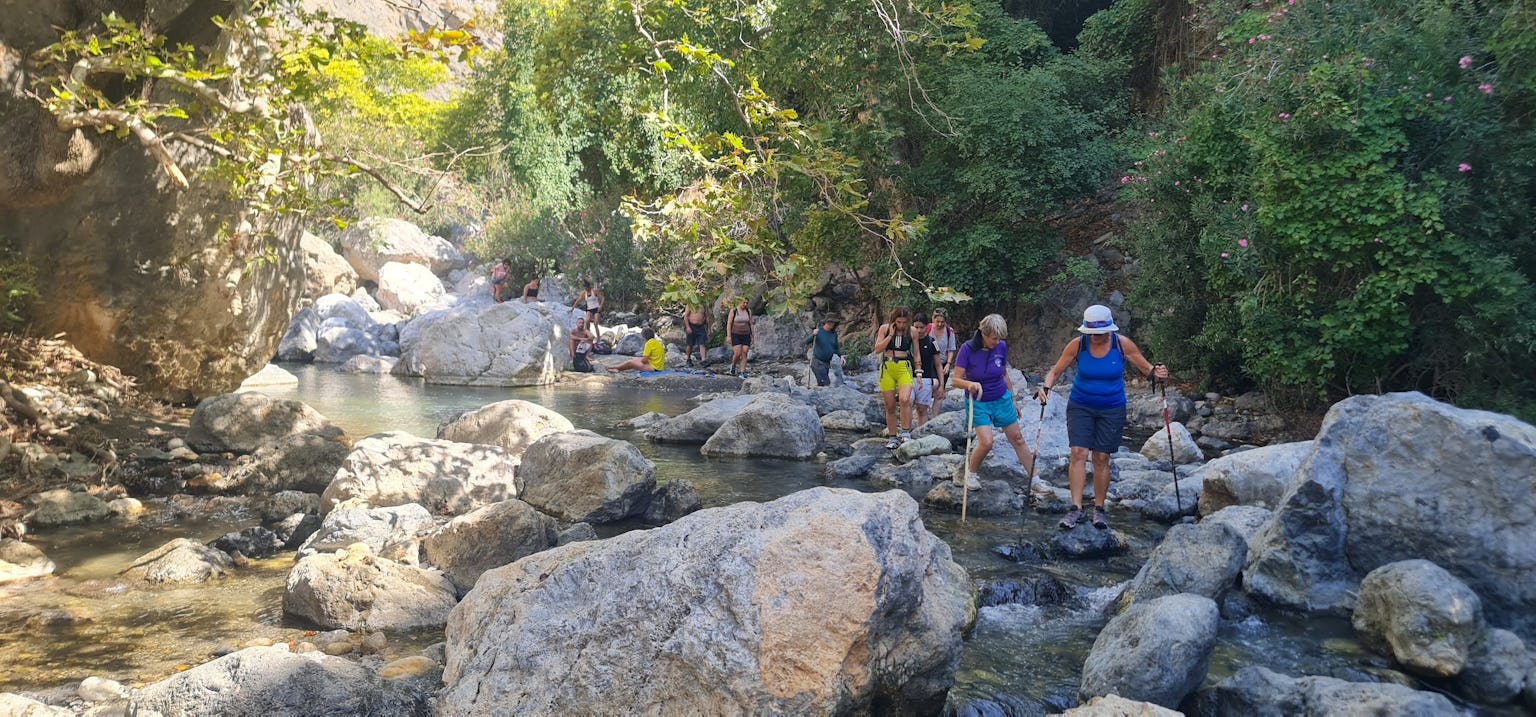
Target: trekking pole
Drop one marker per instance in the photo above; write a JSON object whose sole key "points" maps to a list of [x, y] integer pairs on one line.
{"points": [[1168, 426], [1034, 468], [965, 468]]}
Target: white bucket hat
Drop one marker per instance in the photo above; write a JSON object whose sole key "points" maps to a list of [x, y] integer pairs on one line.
{"points": [[1098, 320]]}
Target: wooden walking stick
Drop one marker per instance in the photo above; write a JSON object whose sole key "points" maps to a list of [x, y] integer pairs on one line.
{"points": [[965, 468]]}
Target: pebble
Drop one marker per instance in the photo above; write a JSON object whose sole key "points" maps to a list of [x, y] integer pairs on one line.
{"points": [[339, 647], [257, 642], [304, 647], [96, 689], [408, 667], [183, 453], [175, 443], [375, 643], [126, 507]]}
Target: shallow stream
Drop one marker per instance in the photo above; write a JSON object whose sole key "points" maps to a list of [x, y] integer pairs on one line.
{"points": [[1020, 659]]}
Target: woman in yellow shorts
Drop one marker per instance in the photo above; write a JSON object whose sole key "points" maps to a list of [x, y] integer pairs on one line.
{"points": [[894, 344]]}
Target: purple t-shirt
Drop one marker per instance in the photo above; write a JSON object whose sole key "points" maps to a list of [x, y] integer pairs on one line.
{"points": [[986, 367]]}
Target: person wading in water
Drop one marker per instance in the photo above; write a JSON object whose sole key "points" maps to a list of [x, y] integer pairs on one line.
{"points": [[893, 341]]}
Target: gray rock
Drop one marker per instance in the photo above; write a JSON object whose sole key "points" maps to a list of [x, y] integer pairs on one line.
{"points": [[180, 561], [373, 365], [253, 542], [344, 311], [410, 289], [284, 503], [1385, 474], [631, 345], [1117, 706], [919, 474], [338, 344], [781, 337], [672, 501], [20, 561], [926, 446], [577, 533], [1260, 692], [950, 425], [304, 462], [244, 422], [1145, 410], [1496, 668], [1245, 520], [97, 689], [269, 375], [994, 498], [513, 425], [1419, 614], [14, 705], [1257, 477], [697, 425], [1237, 428], [265, 681], [62, 506], [1086, 541], [295, 529], [325, 271], [300, 340], [1203, 559], [1157, 651], [845, 421], [357, 590], [771, 426], [443, 476], [383, 530], [644, 420], [1175, 501], [487, 538], [853, 467], [1185, 450], [831, 400], [508, 344], [371, 243], [824, 601], [581, 476]]}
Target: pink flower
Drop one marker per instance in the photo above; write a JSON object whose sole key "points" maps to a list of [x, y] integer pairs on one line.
{"points": [[1463, 167], [1242, 243], [1485, 88], [1251, 40], [1465, 61], [1447, 98], [1225, 255], [1284, 116], [1123, 180], [1245, 207]]}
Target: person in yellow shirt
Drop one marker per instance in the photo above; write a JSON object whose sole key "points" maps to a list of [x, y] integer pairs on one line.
{"points": [[653, 358]]}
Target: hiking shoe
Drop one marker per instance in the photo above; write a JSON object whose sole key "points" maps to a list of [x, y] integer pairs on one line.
{"points": [[1039, 487], [905, 435], [1072, 519], [892, 444], [971, 482], [1100, 520]]}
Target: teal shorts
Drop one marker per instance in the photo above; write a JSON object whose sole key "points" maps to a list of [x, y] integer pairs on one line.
{"points": [[998, 413]]}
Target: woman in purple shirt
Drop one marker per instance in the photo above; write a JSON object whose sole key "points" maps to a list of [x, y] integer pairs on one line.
{"points": [[981, 370]]}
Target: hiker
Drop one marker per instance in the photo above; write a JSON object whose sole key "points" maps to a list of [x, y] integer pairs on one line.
{"points": [[652, 358], [590, 300], [1096, 407], [923, 384], [739, 324], [981, 370], [825, 350], [696, 327], [582, 342], [893, 341], [531, 290], [946, 343], [499, 279]]}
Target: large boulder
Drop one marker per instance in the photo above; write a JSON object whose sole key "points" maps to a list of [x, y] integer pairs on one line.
{"points": [[265, 681], [1203, 559], [325, 271], [305, 462], [697, 425], [1419, 614], [373, 242], [243, 422], [357, 590], [1185, 450], [386, 531], [62, 506], [487, 538], [771, 425], [338, 344], [513, 425], [302, 337], [180, 561], [507, 344], [579, 476], [1157, 651], [444, 476], [19, 561], [930, 445], [824, 601], [411, 289], [782, 337], [1398, 477], [1260, 692], [842, 398], [252, 542], [995, 497], [1145, 410], [1258, 477]]}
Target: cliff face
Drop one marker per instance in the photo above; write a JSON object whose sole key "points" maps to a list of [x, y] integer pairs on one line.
{"points": [[134, 272]]}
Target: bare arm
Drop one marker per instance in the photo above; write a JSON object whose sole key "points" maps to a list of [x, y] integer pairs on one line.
{"points": [[883, 337], [1068, 355], [1133, 354]]}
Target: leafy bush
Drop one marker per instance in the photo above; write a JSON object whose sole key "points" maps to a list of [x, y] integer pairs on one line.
{"points": [[17, 287]]}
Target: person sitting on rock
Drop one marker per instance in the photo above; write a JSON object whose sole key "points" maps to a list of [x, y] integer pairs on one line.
{"points": [[499, 278], [531, 291], [825, 351], [981, 370], [581, 347], [653, 358]]}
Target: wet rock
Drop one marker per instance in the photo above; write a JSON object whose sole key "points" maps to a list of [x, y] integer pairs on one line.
{"points": [[180, 561], [254, 542], [803, 593], [284, 503], [264, 681], [381, 529], [20, 561], [581, 476], [305, 462], [513, 425], [410, 289], [373, 365], [1260, 692], [444, 476], [97, 689], [1157, 651], [269, 375], [1258, 477], [486, 538], [243, 422], [357, 590], [1245, 520], [14, 705], [1496, 668], [697, 425], [925, 446], [1203, 559], [577, 533], [1155, 448], [508, 344], [672, 501], [994, 498], [1086, 541], [370, 244], [1419, 614], [644, 420], [407, 668], [1032, 590], [126, 507], [853, 467], [920, 474], [771, 426], [1022, 552], [64, 507], [1175, 500], [1117, 706], [850, 421]]}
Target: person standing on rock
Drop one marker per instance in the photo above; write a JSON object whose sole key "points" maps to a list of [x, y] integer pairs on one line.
{"points": [[927, 368], [981, 370], [500, 275], [824, 350], [893, 341], [739, 323], [582, 342], [945, 341], [653, 357], [531, 291], [590, 300], [1096, 407], [696, 328]]}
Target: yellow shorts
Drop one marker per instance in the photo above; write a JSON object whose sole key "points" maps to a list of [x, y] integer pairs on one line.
{"points": [[894, 374]]}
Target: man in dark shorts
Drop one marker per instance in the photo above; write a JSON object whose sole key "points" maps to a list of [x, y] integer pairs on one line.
{"points": [[696, 326]]}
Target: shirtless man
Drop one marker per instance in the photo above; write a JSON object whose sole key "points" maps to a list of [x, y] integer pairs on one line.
{"points": [[696, 324]]}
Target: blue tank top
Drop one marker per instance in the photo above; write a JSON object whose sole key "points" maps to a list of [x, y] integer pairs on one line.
{"points": [[1100, 382]]}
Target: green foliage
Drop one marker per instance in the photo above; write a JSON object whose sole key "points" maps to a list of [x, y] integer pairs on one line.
{"points": [[17, 287], [1126, 31], [1310, 219]]}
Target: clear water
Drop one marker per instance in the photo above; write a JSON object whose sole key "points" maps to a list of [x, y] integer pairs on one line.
{"points": [[1018, 660]]}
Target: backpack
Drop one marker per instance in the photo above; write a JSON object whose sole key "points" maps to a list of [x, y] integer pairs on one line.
{"points": [[603, 348]]}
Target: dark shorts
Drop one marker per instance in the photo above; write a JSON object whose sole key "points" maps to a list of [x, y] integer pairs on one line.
{"points": [[592, 313], [698, 335], [1097, 429], [741, 339]]}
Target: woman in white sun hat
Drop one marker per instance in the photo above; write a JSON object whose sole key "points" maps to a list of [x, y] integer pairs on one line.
{"points": [[1096, 408]]}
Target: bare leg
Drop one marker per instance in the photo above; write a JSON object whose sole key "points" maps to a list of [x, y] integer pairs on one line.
{"points": [[889, 397], [1077, 474], [982, 447], [906, 406], [1015, 438], [1100, 477]]}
